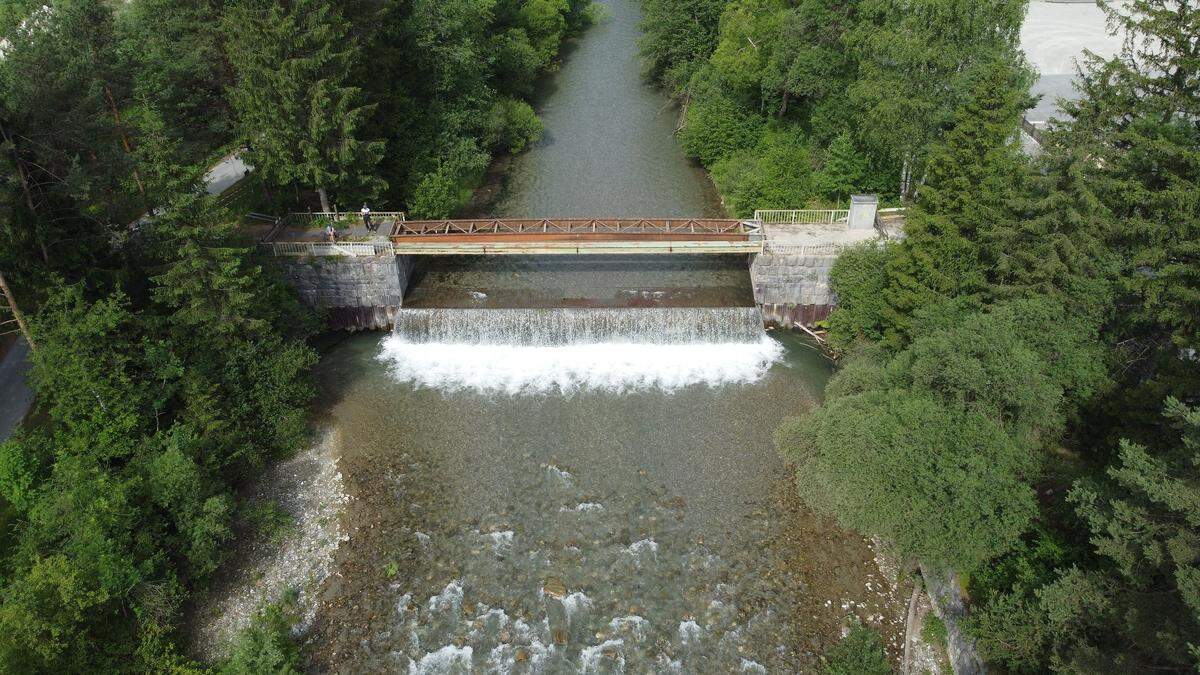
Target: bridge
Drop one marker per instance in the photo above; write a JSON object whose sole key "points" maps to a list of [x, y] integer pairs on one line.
{"points": [[575, 236], [303, 234], [821, 232], [362, 278]]}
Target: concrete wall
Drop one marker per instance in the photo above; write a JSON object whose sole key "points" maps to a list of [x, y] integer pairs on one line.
{"points": [[950, 607], [792, 288], [356, 293]]}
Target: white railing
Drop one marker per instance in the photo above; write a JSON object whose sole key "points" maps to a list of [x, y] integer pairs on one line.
{"points": [[803, 217], [804, 249], [312, 248], [315, 218]]}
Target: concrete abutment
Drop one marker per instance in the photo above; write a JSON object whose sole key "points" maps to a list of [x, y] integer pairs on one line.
{"points": [[354, 292], [792, 289]]}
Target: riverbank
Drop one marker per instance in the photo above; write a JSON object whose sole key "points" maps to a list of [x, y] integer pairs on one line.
{"points": [[291, 549]]}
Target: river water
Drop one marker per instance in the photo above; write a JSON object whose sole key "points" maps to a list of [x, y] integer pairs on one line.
{"points": [[566, 464]]}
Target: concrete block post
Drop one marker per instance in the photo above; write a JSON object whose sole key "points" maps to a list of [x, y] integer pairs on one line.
{"points": [[862, 211]]}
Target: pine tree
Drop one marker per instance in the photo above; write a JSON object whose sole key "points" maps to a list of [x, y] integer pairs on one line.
{"points": [[1055, 244], [971, 176], [1140, 610], [844, 171], [296, 108], [1140, 120]]}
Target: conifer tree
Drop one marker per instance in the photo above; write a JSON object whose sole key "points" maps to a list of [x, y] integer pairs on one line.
{"points": [[1139, 611], [296, 107], [971, 175], [844, 171], [1140, 121]]}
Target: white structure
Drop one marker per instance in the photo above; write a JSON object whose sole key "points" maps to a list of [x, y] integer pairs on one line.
{"points": [[862, 212]]}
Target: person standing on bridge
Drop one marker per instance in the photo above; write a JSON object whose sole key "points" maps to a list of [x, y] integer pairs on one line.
{"points": [[330, 234], [366, 216]]}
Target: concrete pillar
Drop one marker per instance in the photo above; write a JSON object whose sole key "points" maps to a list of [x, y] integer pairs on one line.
{"points": [[862, 211]]}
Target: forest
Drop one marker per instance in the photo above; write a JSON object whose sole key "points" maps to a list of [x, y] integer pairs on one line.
{"points": [[1019, 394], [169, 364]]}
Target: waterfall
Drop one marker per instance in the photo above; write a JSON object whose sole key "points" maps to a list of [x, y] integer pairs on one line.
{"points": [[535, 351], [557, 327]]}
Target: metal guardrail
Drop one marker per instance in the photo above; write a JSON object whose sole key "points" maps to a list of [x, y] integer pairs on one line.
{"points": [[405, 247], [803, 216], [311, 248], [314, 218], [619, 227]]}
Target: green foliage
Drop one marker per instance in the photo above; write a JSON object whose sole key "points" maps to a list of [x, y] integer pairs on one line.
{"points": [[295, 105], [935, 447], [171, 365], [678, 36], [1053, 304], [859, 653], [157, 403], [844, 172], [858, 279], [25, 463], [868, 89], [177, 56], [916, 66], [514, 126], [269, 521], [444, 189], [970, 178], [267, 645], [943, 483], [776, 174], [934, 630], [715, 127]]}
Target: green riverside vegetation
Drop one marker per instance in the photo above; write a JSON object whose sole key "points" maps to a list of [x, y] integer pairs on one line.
{"points": [[1020, 394], [170, 366]]}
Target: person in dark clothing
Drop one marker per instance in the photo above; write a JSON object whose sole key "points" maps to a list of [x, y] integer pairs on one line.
{"points": [[366, 216]]}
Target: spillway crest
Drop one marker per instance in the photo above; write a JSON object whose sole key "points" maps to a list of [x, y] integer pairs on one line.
{"points": [[518, 351]]}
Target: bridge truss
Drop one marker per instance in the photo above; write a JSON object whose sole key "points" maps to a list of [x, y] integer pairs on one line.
{"points": [[576, 235]]}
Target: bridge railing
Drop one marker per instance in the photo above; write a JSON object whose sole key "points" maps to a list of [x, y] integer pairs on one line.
{"points": [[827, 217], [804, 249], [312, 248], [315, 219]]}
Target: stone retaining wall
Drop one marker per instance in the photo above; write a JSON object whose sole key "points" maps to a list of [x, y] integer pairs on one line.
{"points": [[356, 293], [792, 288]]}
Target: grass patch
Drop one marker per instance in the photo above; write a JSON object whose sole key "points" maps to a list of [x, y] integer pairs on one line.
{"points": [[934, 631]]}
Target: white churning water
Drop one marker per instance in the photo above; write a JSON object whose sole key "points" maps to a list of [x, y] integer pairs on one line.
{"points": [[531, 351]]}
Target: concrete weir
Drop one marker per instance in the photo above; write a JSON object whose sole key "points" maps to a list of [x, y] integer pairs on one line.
{"points": [[355, 292], [360, 285], [791, 276]]}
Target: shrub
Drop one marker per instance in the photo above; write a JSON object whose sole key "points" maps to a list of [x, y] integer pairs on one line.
{"points": [[859, 653], [267, 645], [512, 126]]}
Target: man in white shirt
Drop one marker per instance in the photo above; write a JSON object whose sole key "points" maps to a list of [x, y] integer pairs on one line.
{"points": [[366, 216]]}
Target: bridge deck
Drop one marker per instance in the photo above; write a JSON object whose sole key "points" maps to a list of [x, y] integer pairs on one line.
{"points": [[575, 235]]}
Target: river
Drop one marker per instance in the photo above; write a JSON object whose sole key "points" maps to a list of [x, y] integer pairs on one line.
{"points": [[565, 464]]}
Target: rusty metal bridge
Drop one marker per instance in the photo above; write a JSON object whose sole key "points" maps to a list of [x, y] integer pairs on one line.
{"points": [[574, 235]]}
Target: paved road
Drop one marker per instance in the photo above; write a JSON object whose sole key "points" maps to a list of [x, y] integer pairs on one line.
{"points": [[227, 172], [1053, 37], [15, 396]]}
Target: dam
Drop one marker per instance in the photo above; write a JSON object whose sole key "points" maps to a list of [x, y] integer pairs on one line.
{"points": [[362, 282], [562, 460]]}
